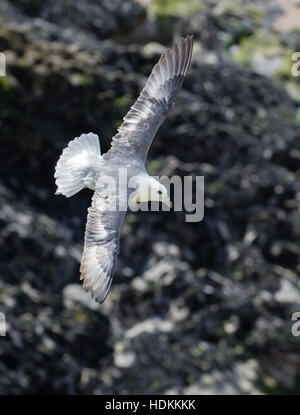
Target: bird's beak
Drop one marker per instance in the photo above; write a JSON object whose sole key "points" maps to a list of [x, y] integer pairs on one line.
{"points": [[166, 200]]}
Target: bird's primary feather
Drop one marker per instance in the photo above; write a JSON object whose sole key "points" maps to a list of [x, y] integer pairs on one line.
{"points": [[101, 245], [157, 97]]}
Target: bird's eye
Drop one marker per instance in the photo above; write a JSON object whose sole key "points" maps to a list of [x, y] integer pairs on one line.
{"points": [[160, 192]]}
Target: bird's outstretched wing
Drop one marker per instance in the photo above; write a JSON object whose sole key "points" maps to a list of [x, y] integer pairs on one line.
{"points": [[101, 243], [145, 116]]}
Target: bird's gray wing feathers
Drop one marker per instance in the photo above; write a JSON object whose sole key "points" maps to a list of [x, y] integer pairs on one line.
{"points": [[101, 244], [145, 116]]}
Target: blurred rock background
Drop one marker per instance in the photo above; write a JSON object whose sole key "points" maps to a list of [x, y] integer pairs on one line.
{"points": [[194, 308]]}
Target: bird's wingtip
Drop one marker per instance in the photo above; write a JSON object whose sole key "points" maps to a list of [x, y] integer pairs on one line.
{"points": [[188, 37]]}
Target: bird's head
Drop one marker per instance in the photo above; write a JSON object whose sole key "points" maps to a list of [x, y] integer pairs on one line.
{"points": [[153, 191]]}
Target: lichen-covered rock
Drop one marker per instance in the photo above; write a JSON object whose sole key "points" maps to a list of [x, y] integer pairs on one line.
{"points": [[102, 18]]}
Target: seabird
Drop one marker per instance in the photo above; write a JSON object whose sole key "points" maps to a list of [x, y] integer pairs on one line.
{"points": [[82, 165]]}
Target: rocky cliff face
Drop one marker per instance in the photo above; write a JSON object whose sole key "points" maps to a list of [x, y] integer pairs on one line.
{"points": [[194, 308]]}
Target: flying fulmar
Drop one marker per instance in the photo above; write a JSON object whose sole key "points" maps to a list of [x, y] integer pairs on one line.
{"points": [[82, 165]]}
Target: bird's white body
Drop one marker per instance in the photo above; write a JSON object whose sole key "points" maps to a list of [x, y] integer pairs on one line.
{"points": [[91, 166], [82, 165]]}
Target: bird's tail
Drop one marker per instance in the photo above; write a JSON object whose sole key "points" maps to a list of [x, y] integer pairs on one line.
{"points": [[77, 165]]}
